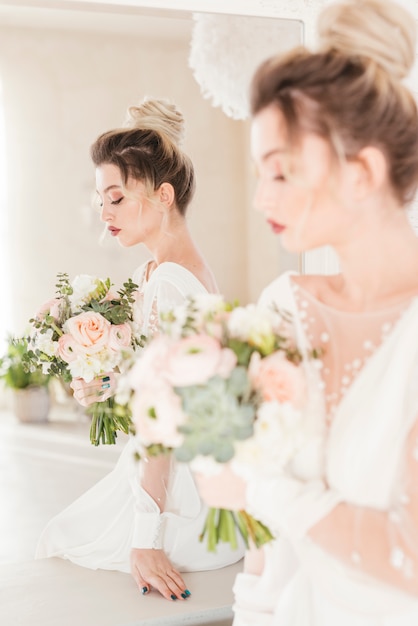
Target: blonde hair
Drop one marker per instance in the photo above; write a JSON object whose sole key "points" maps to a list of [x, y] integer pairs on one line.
{"points": [[148, 149], [161, 116], [350, 92]]}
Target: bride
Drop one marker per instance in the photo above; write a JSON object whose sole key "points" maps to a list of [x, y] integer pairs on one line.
{"points": [[144, 518], [335, 141]]}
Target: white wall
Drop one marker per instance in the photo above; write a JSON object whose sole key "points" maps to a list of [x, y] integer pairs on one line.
{"points": [[64, 87], [61, 89]]}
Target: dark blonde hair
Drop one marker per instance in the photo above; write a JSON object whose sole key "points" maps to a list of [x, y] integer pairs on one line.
{"points": [[147, 149], [349, 92]]}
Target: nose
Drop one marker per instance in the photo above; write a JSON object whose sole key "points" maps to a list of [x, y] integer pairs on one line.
{"points": [[106, 214], [261, 200]]}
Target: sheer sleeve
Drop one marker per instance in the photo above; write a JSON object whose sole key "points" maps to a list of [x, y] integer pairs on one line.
{"points": [[383, 544]]}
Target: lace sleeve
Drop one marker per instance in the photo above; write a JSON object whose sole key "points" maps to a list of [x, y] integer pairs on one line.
{"points": [[383, 544]]}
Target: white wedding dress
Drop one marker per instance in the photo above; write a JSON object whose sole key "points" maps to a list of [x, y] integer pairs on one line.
{"points": [[366, 394], [99, 529]]}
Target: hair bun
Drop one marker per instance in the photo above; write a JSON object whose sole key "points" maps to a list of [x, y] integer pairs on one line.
{"points": [[379, 30], [159, 115]]}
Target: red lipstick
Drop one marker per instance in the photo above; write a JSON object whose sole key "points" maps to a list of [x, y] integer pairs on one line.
{"points": [[276, 228]]}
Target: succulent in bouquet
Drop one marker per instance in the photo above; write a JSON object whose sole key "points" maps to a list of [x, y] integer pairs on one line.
{"points": [[212, 388]]}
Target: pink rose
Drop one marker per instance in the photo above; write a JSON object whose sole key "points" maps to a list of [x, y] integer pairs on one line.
{"points": [[67, 348], [157, 413], [151, 364], [193, 360], [90, 330], [52, 307], [119, 336], [277, 378]]}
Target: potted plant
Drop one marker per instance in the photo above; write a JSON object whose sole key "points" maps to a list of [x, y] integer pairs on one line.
{"points": [[30, 389]]}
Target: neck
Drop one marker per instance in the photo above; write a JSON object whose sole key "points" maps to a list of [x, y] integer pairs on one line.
{"points": [[172, 244], [380, 261]]}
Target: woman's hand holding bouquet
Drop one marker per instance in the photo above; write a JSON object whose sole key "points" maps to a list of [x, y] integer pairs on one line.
{"points": [[84, 336]]}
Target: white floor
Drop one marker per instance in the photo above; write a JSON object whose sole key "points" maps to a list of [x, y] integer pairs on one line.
{"points": [[44, 467]]}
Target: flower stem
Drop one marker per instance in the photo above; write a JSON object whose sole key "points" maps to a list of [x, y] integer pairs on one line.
{"points": [[105, 423], [221, 526]]}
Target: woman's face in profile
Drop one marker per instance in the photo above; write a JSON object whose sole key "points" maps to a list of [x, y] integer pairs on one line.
{"points": [[296, 189], [126, 209]]}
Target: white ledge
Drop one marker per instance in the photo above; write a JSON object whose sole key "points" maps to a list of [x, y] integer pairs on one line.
{"points": [[48, 592]]}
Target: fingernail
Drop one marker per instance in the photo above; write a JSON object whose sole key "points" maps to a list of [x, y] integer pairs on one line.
{"points": [[187, 592], [184, 595], [144, 590], [173, 597], [106, 386], [105, 379]]}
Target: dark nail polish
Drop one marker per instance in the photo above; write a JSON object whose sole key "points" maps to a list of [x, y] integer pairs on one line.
{"points": [[173, 597], [144, 590], [105, 379], [184, 595], [187, 592]]}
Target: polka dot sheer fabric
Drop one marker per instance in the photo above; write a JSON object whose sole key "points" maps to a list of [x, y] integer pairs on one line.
{"points": [[365, 567]]}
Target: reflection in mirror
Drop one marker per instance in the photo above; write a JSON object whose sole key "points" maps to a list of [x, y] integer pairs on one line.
{"points": [[67, 76]]}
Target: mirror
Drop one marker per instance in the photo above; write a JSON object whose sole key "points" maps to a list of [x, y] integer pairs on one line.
{"points": [[68, 75]]}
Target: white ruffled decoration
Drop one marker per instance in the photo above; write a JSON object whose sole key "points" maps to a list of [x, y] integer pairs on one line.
{"points": [[225, 51]]}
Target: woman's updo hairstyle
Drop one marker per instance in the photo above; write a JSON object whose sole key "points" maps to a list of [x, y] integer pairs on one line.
{"points": [[148, 149], [350, 92]]}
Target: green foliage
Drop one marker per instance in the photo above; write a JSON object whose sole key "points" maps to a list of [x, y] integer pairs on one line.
{"points": [[14, 369]]}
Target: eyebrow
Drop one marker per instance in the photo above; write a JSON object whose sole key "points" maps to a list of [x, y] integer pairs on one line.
{"points": [[272, 152], [109, 188]]}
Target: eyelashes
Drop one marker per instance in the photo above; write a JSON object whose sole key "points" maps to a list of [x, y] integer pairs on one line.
{"points": [[100, 203]]}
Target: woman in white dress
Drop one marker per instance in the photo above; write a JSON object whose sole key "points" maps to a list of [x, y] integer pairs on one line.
{"points": [[335, 142], [144, 518]]}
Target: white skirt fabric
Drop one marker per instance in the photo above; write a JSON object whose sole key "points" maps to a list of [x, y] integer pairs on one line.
{"points": [[96, 530]]}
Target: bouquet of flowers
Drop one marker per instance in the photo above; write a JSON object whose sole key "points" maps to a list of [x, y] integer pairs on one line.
{"points": [[84, 332], [221, 383]]}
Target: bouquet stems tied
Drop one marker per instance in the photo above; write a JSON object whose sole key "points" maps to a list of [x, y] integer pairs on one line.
{"points": [[221, 525], [107, 419]]}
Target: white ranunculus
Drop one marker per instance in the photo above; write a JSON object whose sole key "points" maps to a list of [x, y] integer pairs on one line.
{"points": [[252, 322], [90, 366], [44, 343], [278, 435], [206, 465], [84, 289], [123, 390]]}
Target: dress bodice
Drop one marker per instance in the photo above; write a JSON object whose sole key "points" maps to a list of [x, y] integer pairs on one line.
{"points": [[367, 377], [364, 374], [167, 286]]}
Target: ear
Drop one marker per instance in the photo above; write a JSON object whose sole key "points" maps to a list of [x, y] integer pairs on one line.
{"points": [[369, 171], [166, 195]]}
